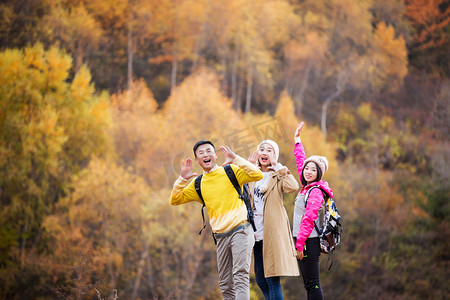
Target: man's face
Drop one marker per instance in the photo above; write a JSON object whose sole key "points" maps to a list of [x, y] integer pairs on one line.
{"points": [[206, 157]]}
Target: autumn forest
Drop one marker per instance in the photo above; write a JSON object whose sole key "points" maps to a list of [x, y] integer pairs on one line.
{"points": [[102, 99]]}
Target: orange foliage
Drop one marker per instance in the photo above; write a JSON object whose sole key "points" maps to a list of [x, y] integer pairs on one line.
{"points": [[430, 19]]}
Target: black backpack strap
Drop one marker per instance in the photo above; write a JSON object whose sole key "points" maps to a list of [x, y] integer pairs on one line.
{"points": [[306, 202], [330, 260], [233, 180], [197, 183]]}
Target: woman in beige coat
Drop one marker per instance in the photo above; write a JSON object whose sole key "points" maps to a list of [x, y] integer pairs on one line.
{"points": [[274, 250]]}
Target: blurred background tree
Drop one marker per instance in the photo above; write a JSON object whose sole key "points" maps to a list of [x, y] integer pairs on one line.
{"points": [[101, 100]]}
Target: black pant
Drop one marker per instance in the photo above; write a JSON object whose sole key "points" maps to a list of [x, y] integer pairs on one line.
{"points": [[309, 267]]}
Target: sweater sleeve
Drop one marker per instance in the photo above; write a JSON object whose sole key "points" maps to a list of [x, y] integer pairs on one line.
{"points": [[247, 172], [288, 182], [182, 192], [313, 205], [299, 153]]}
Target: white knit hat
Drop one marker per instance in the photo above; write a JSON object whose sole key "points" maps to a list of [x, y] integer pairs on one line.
{"points": [[274, 146], [321, 161]]}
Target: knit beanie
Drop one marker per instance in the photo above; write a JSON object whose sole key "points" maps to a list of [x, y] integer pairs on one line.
{"points": [[274, 146], [321, 161]]}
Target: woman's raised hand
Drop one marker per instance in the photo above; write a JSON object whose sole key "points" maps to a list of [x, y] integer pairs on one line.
{"points": [[253, 158], [273, 161], [299, 128]]}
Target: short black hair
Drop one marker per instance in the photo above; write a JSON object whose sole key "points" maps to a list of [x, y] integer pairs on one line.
{"points": [[319, 174], [202, 142]]}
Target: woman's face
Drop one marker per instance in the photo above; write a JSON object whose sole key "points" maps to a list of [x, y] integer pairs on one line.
{"points": [[310, 172], [266, 154]]}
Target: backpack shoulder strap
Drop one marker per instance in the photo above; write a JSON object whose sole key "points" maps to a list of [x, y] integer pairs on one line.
{"points": [[306, 202], [197, 184], [325, 194], [243, 194], [233, 179], [309, 191]]}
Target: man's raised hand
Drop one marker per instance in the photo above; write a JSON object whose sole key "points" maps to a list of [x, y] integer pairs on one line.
{"points": [[186, 169], [229, 155]]}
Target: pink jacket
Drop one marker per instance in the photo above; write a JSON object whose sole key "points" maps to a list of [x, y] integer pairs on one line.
{"points": [[314, 202]]}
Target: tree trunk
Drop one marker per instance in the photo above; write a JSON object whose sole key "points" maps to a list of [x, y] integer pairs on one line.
{"points": [[150, 278], [298, 99], [24, 240], [240, 87], [165, 270], [340, 88], [234, 95], [79, 57], [190, 272], [130, 51], [139, 272], [248, 97], [198, 44], [173, 75]]}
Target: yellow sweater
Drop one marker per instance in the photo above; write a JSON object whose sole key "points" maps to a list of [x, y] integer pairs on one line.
{"points": [[225, 209]]}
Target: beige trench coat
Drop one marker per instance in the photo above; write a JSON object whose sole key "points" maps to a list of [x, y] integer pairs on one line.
{"points": [[279, 254]]}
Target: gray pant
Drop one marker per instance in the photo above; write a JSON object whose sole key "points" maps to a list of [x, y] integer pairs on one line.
{"points": [[234, 253]]}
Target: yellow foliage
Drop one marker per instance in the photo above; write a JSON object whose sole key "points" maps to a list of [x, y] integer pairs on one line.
{"points": [[286, 113], [58, 67], [81, 87], [45, 134], [312, 137], [139, 131], [365, 111], [138, 99], [74, 27], [276, 21], [315, 143], [391, 57], [34, 57], [198, 110], [106, 213]]}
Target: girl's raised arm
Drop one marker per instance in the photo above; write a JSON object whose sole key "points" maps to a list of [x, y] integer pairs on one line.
{"points": [[299, 152]]}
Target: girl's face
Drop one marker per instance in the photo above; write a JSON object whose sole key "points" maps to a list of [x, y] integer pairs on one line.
{"points": [[310, 172], [266, 155]]}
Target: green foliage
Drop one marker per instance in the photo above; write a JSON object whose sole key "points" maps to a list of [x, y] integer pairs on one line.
{"points": [[370, 137]]}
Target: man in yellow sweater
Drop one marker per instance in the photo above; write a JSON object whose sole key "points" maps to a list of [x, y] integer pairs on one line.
{"points": [[227, 212]]}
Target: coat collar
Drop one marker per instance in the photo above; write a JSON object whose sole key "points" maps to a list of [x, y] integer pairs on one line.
{"points": [[270, 183]]}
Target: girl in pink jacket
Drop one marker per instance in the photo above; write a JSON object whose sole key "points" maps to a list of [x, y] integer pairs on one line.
{"points": [[306, 237]]}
